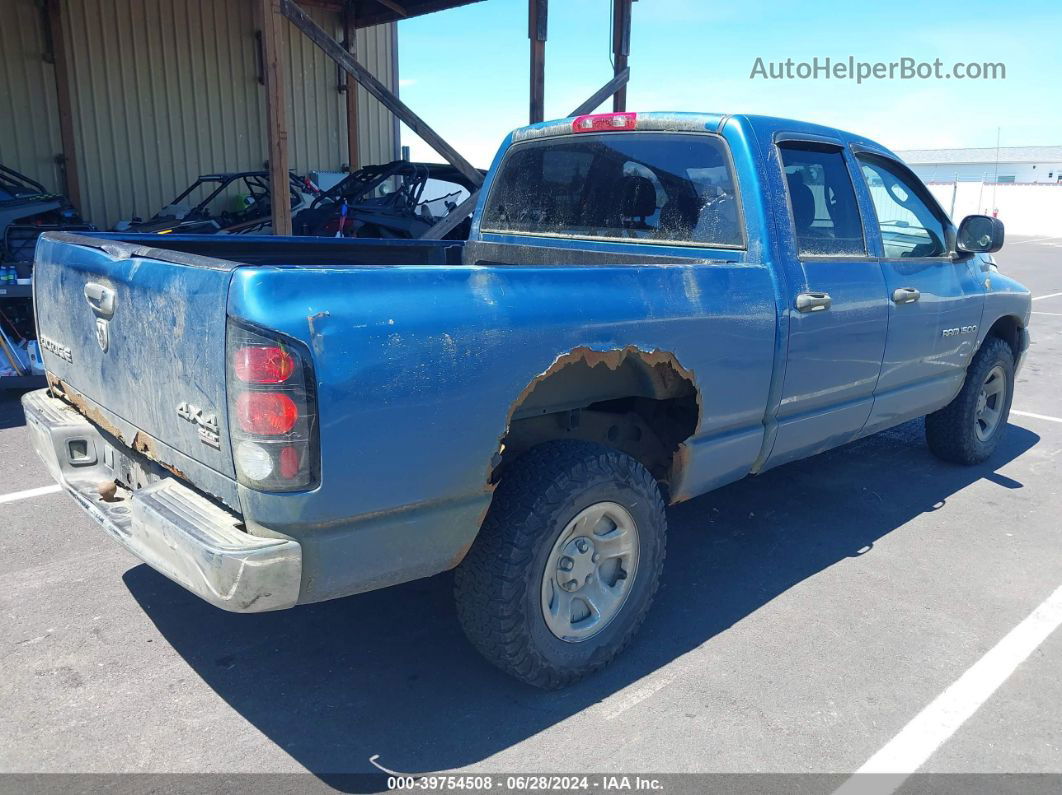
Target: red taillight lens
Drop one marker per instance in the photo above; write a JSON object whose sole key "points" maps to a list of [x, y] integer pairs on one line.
{"points": [[266, 413], [263, 365], [604, 122], [289, 462]]}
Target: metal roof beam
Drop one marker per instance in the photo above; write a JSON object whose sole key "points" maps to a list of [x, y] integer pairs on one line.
{"points": [[334, 50], [391, 4]]}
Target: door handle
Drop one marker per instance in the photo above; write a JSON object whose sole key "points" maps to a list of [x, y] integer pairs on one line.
{"points": [[905, 295], [813, 302], [100, 298]]}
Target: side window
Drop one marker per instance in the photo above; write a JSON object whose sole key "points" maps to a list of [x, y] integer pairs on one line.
{"points": [[825, 212], [909, 228]]}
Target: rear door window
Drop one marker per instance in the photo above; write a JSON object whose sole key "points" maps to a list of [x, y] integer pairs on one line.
{"points": [[822, 200], [652, 187]]}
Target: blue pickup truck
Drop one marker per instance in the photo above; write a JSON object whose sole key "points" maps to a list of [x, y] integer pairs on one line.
{"points": [[648, 306]]}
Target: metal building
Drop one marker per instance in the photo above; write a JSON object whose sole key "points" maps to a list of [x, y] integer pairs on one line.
{"points": [[1002, 165], [122, 103]]}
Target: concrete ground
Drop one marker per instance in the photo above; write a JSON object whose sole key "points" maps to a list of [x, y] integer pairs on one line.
{"points": [[805, 617]]}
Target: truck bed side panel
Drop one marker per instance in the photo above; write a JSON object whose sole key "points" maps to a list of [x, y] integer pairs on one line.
{"points": [[418, 370]]}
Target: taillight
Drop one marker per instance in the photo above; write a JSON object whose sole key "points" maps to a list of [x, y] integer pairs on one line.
{"points": [[257, 364], [604, 122], [266, 413], [272, 410]]}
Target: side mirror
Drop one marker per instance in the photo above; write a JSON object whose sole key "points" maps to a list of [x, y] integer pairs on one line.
{"points": [[980, 234]]}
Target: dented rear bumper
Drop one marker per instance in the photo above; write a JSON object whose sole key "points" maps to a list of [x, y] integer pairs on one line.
{"points": [[166, 524]]}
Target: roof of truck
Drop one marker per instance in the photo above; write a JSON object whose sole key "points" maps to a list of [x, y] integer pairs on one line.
{"points": [[694, 122]]}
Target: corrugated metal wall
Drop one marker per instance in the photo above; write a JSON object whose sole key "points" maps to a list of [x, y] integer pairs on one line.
{"points": [[161, 90], [317, 111], [164, 90], [29, 116], [377, 49]]}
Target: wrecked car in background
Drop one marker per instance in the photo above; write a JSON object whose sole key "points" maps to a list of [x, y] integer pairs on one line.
{"points": [[236, 203], [648, 306], [400, 200], [26, 210]]}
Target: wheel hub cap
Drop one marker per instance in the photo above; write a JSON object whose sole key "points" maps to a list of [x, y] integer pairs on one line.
{"points": [[990, 402], [590, 571], [577, 564]]}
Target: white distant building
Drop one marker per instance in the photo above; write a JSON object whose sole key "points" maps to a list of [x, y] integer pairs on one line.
{"points": [[1007, 164]]}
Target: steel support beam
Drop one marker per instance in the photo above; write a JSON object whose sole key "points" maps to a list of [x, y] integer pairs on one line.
{"points": [[276, 113], [621, 48], [391, 4], [537, 27], [68, 162], [610, 88], [334, 50], [350, 85], [442, 228]]}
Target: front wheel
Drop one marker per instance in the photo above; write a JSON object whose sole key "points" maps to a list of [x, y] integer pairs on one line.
{"points": [[566, 564], [968, 430]]}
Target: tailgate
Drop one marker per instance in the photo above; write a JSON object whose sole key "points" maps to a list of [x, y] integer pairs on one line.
{"points": [[141, 332]]}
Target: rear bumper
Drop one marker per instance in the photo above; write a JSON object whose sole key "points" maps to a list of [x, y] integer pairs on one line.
{"points": [[167, 525]]}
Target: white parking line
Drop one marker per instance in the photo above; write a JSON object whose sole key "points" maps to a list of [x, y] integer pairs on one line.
{"points": [[634, 695], [931, 728], [1049, 295], [1036, 416], [1053, 314], [24, 495], [1033, 240]]}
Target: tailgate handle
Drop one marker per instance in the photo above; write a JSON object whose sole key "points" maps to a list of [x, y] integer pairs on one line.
{"points": [[100, 298]]}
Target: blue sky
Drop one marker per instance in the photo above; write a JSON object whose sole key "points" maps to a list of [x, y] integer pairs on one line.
{"points": [[465, 71]]}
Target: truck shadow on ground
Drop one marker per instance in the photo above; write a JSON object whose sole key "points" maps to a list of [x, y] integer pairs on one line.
{"points": [[389, 673], [11, 414]]}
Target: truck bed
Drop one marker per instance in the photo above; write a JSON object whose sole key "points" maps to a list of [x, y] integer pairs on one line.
{"points": [[353, 252], [270, 250]]}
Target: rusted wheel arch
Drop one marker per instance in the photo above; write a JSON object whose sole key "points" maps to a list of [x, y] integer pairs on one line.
{"points": [[642, 402]]}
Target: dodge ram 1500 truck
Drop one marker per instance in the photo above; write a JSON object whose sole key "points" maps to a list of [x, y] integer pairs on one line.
{"points": [[648, 306]]}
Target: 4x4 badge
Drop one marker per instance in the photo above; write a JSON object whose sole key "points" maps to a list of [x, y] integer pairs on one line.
{"points": [[206, 423]]}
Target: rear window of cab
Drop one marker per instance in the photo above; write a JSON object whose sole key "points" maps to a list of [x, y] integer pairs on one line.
{"points": [[654, 187]]}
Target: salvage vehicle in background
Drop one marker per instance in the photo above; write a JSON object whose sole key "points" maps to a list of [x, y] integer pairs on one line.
{"points": [[648, 306], [400, 200], [26, 210], [236, 203]]}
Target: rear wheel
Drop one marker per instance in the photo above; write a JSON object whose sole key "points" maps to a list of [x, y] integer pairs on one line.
{"points": [[968, 430], [566, 565]]}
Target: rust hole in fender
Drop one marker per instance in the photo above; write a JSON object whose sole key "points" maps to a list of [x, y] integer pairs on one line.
{"points": [[644, 403]]}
